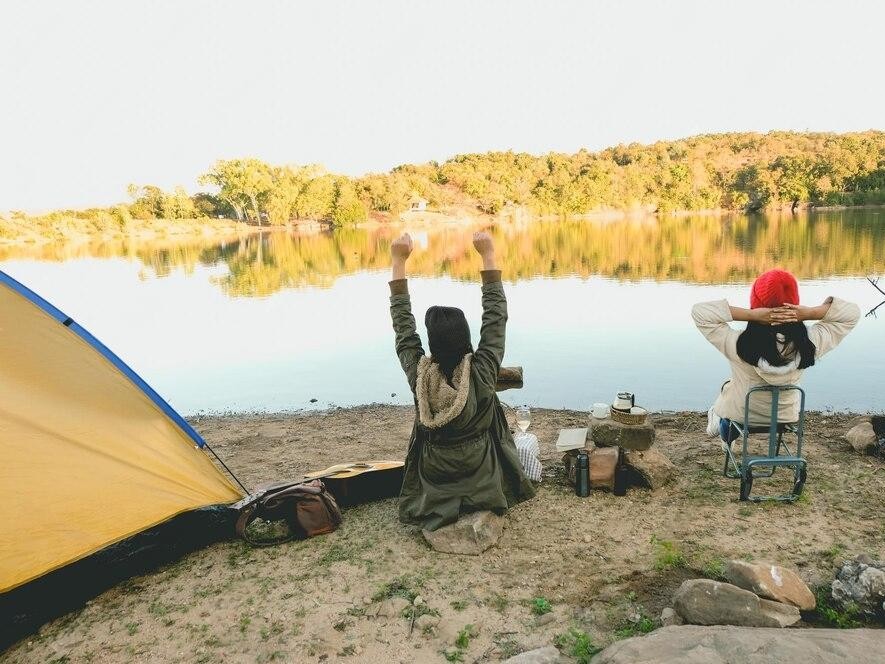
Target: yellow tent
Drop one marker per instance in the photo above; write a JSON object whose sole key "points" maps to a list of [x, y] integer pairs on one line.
{"points": [[91, 455]]}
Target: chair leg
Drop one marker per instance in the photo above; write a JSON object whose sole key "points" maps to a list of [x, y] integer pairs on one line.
{"points": [[799, 482], [746, 484]]}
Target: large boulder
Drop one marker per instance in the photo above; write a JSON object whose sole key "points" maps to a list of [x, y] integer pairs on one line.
{"points": [[861, 583], [471, 534], [608, 433], [693, 644], [862, 437], [771, 582], [654, 468], [708, 602], [548, 655]]}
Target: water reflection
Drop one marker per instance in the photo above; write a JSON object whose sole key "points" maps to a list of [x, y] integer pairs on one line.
{"points": [[702, 250]]}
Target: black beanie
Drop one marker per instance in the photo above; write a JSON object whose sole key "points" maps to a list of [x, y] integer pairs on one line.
{"points": [[448, 336]]}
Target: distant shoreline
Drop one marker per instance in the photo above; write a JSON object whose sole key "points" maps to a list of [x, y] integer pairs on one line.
{"points": [[72, 230]]}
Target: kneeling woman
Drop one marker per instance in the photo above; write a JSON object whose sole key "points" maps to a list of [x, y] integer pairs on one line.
{"points": [[775, 348], [461, 455]]}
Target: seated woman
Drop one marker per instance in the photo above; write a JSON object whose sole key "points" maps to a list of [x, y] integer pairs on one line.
{"points": [[461, 455], [775, 348]]}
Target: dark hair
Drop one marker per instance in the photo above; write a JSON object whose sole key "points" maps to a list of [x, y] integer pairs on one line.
{"points": [[760, 341], [448, 336]]}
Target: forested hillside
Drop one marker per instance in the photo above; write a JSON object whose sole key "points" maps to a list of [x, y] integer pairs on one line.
{"points": [[741, 171]]}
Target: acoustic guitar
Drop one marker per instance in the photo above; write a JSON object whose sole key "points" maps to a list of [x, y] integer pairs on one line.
{"points": [[361, 481]]}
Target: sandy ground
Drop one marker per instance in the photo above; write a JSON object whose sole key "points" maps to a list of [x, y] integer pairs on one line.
{"points": [[597, 561]]}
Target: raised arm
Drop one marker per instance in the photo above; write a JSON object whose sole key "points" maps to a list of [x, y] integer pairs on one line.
{"points": [[408, 343], [712, 320], [836, 318], [490, 352]]}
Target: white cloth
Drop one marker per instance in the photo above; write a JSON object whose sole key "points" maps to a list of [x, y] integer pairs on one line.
{"points": [[529, 454]]}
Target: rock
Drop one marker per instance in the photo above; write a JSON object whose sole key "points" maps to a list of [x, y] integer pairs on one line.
{"points": [[603, 463], [654, 468], [418, 600], [692, 644], [707, 602], [471, 534], [426, 623], [783, 614], [608, 433], [863, 438], [771, 582], [548, 655], [670, 617], [861, 582], [546, 619], [392, 607]]}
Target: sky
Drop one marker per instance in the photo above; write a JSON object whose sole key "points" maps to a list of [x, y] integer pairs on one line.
{"points": [[95, 95]]}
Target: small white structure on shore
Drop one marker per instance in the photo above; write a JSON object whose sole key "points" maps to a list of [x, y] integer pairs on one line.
{"points": [[417, 204]]}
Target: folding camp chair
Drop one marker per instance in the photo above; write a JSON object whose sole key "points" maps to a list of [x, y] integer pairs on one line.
{"points": [[744, 466]]}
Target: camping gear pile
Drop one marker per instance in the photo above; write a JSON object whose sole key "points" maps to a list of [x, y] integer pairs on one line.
{"points": [[104, 480], [617, 447]]}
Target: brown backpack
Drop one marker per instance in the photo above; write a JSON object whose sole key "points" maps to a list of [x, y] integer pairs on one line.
{"points": [[306, 507]]}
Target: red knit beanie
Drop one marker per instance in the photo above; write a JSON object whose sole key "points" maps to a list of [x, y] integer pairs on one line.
{"points": [[774, 288]]}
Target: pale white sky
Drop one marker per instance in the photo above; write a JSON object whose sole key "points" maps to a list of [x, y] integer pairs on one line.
{"points": [[95, 94]]}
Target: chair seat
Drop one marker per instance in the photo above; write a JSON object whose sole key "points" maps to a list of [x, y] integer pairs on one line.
{"points": [[789, 427]]}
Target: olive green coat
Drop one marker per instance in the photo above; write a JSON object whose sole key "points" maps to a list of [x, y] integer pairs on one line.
{"points": [[460, 459]]}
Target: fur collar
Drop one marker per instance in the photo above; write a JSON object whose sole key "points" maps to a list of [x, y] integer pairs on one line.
{"points": [[438, 402]]}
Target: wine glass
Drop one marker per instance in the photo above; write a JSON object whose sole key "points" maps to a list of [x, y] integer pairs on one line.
{"points": [[523, 418]]}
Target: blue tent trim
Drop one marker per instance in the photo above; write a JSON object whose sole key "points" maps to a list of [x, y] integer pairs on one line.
{"points": [[106, 352]]}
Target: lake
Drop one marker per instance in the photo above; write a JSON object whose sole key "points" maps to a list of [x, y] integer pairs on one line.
{"points": [[275, 321]]}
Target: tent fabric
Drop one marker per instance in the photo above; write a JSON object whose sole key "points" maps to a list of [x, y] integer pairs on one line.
{"points": [[89, 455]]}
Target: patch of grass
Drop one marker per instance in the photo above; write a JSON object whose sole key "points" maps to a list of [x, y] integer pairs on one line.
{"points": [[578, 644], [540, 606], [458, 604], [342, 625], [628, 629], [833, 552], [348, 650], [745, 510], [245, 621], [453, 655], [403, 586], [831, 614], [335, 554], [498, 602], [715, 569], [131, 628], [668, 555], [508, 648], [238, 554], [464, 636]]}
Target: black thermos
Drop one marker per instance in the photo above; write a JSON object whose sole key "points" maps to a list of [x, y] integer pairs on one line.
{"points": [[621, 478], [582, 474]]}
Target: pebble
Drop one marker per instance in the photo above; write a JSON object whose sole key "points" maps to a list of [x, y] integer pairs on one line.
{"points": [[546, 619], [418, 601]]}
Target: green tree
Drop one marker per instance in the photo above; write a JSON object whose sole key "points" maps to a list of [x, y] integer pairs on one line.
{"points": [[242, 183]]}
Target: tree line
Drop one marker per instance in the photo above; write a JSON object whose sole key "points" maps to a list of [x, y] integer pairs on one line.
{"points": [[736, 171]]}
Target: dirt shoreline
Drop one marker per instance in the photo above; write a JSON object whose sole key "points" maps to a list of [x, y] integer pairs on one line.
{"points": [[596, 560]]}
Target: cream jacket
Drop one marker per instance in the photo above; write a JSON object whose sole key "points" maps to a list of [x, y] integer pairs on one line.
{"points": [[713, 318]]}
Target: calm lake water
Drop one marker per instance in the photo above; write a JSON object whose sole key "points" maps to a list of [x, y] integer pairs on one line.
{"points": [[272, 321]]}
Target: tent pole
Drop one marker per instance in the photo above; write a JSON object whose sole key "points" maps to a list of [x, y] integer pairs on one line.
{"points": [[230, 472]]}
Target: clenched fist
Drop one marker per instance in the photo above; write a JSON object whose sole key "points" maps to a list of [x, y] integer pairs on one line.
{"points": [[483, 244], [401, 248]]}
